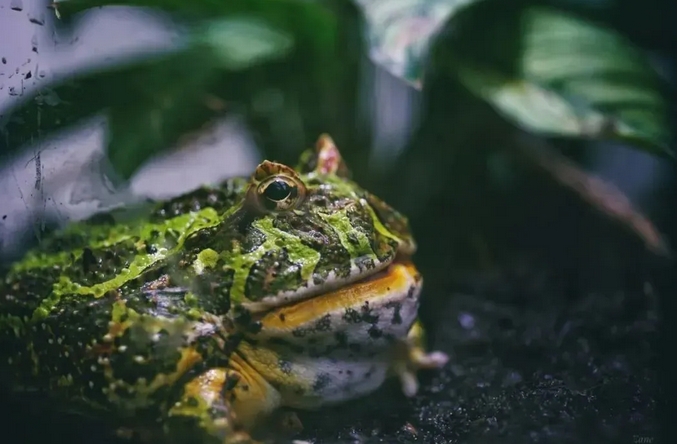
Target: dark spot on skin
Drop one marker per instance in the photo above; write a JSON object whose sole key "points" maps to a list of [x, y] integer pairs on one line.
{"points": [[396, 317], [231, 382], [323, 324], [285, 366], [242, 316], [366, 314], [281, 317], [232, 342], [255, 327], [354, 317], [89, 260], [321, 382], [411, 292], [4, 217], [246, 388], [350, 373], [351, 316], [374, 332]]}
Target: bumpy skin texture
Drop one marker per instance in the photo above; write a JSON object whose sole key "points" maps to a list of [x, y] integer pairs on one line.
{"points": [[203, 317]]}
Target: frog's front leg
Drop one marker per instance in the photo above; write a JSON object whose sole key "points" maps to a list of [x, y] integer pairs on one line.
{"points": [[411, 357], [221, 405]]}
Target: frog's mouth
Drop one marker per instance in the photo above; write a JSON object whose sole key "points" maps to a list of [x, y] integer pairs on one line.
{"points": [[355, 279]]}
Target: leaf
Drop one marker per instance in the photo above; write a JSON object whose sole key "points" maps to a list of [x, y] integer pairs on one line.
{"points": [[310, 21], [399, 33], [555, 74], [547, 71], [152, 102], [239, 44]]}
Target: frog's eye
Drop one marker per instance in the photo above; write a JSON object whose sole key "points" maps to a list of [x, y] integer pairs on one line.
{"points": [[275, 187], [278, 189], [278, 193]]}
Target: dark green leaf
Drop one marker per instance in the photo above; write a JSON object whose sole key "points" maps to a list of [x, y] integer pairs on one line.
{"points": [[555, 74], [547, 71]]}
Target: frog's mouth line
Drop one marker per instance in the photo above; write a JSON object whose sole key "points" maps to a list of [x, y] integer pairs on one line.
{"points": [[399, 283], [330, 285]]}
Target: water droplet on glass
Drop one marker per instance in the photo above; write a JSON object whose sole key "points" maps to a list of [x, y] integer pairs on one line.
{"points": [[16, 5], [38, 19]]}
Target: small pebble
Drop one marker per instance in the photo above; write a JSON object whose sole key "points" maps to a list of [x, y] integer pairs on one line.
{"points": [[466, 320]]}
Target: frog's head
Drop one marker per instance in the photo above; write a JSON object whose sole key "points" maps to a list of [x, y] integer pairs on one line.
{"points": [[311, 230]]}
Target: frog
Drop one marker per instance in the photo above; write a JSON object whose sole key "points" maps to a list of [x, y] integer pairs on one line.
{"points": [[219, 313]]}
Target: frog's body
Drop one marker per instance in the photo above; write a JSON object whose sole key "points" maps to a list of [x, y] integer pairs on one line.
{"points": [[292, 289]]}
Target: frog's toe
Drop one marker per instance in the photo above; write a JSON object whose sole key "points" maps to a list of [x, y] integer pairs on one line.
{"points": [[431, 360], [413, 357], [418, 359]]}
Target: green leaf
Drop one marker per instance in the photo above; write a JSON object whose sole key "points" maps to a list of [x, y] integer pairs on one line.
{"points": [[399, 32], [310, 20], [558, 75], [153, 101], [545, 70], [239, 44]]}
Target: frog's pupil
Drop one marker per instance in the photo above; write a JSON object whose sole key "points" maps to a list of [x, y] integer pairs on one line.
{"points": [[277, 190]]}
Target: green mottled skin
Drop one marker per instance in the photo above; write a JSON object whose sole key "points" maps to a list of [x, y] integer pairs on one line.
{"points": [[120, 317]]}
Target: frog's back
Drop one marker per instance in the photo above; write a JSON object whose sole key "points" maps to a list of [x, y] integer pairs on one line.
{"points": [[91, 315]]}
